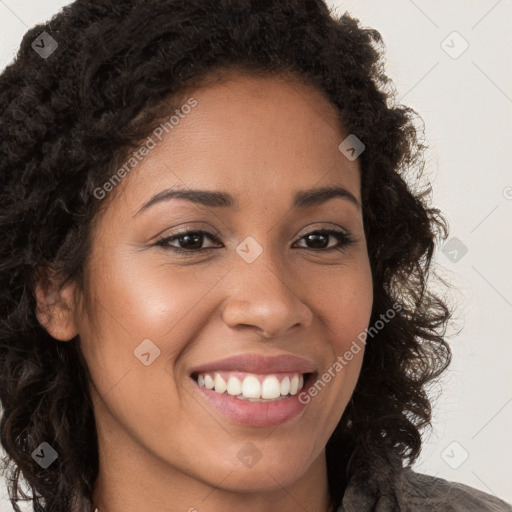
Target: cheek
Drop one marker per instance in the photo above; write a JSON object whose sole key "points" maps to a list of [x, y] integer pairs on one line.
{"points": [[138, 311], [344, 304], [345, 301], [135, 303], [151, 300], [129, 304]]}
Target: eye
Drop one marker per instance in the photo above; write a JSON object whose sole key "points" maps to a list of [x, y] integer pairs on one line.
{"points": [[190, 242], [320, 239]]}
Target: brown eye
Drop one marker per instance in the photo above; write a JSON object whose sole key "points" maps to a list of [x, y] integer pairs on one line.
{"points": [[319, 239], [188, 241]]}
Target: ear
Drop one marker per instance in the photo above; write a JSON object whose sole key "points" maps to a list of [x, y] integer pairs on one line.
{"points": [[55, 305]]}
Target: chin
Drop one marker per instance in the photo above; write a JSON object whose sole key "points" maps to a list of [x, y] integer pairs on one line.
{"points": [[262, 478], [267, 471]]}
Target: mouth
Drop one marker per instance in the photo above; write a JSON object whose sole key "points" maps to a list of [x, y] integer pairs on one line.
{"points": [[255, 390], [251, 399], [253, 387]]}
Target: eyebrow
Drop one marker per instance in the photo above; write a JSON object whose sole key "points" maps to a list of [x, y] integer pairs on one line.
{"points": [[217, 199]]}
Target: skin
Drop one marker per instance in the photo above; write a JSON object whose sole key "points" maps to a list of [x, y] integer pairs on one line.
{"points": [[162, 447]]}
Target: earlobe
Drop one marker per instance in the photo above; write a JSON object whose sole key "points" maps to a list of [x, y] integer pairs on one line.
{"points": [[55, 305]]}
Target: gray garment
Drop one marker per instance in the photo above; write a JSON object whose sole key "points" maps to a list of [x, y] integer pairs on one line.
{"points": [[416, 492]]}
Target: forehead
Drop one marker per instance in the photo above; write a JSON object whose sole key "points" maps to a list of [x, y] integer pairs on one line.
{"points": [[261, 138]]}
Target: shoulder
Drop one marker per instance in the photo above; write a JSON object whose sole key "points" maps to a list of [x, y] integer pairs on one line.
{"points": [[425, 492]]}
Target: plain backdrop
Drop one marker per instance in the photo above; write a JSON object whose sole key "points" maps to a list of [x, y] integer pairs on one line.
{"points": [[450, 61]]}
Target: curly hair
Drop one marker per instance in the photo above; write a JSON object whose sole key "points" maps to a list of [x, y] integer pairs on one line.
{"points": [[68, 119]]}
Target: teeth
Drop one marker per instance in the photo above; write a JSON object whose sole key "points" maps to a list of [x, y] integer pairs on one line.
{"points": [[208, 382], [234, 385], [285, 386], [270, 388], [294, 385], [251, 388], [220, 384]]}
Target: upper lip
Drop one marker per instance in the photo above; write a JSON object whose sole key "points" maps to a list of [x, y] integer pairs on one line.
{"points": [[253, 363]]}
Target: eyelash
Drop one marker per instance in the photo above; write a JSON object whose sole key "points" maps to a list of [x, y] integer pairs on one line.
{"points": [[344, 240]]}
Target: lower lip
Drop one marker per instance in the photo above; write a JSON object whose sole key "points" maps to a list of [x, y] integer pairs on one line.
{"points": [[254, 414]]}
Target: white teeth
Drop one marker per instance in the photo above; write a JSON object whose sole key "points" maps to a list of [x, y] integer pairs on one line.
{"points": [[294, 385], [220, 384], [270, 387], [234, 386], [285, 386], [250, 388], [208, 382]]}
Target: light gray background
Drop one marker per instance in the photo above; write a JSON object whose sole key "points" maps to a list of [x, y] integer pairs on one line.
{"points": [[466, 103]]}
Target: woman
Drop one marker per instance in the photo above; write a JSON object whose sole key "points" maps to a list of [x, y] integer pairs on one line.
{"points": [[214, 274]]}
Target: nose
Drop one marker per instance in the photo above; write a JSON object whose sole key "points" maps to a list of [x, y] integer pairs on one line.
{"points": [[264, 296]]}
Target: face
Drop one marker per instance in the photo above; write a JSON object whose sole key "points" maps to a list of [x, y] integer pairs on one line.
{"points": [[258, 292]]}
